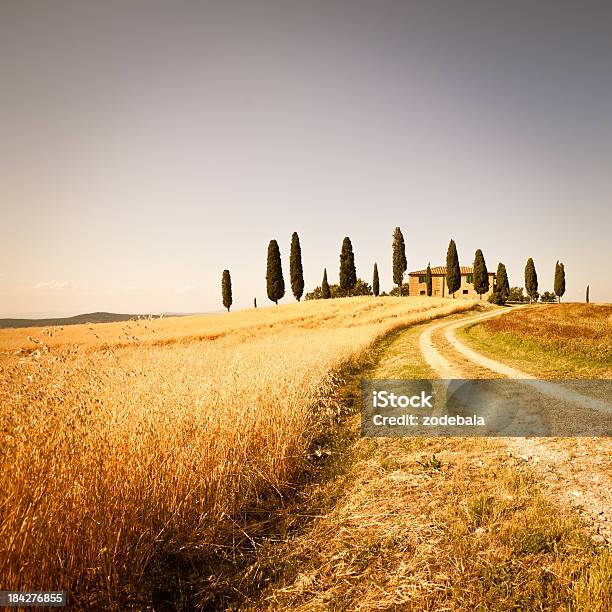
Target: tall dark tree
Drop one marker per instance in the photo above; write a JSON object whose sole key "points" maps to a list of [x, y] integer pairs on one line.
{"points": [[275, 283], [453, 271], [481, 274], [348, 274], [399, 258], [531, 280], [295, 267], [587, 294], [559, 280], [254, 302], [502, 286], [226, 289], [375, 281], [325, 291], [429, 281]]}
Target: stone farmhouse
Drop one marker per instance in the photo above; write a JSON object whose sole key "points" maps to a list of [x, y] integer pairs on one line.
{"points": [[439, 288]]}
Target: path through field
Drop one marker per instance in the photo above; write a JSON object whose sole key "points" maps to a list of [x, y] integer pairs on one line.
{"points": [[577, 471], [432, 523]]}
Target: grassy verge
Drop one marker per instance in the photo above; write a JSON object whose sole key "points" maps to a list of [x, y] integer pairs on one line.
{"points": [[424, 524], [557, 341]]}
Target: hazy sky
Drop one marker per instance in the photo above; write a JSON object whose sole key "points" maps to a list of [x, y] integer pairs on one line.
{"points": [[146, 146]]}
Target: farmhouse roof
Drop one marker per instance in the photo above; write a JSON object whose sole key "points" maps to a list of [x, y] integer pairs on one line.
{"points": [[441, 270]]}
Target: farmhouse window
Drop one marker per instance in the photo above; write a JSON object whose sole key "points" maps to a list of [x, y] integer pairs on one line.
{"points": [[469, 278], [465, 292], [421, 279]]}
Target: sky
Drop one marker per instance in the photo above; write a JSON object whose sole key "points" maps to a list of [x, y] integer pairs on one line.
{"points": [[146, 146]]}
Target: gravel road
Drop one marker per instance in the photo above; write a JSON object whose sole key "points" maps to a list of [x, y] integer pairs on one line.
{"points": [[577, 470]]}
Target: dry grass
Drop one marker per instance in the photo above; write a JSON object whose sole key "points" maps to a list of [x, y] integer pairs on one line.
{"points": [[246, 324], [553, 341], [128, 447], [424, 524]]}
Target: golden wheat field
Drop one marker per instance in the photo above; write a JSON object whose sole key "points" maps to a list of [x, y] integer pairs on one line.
{"points": [[122, 442]]}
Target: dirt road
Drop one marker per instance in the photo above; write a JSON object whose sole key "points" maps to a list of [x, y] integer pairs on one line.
{"points": [[576, 470]]}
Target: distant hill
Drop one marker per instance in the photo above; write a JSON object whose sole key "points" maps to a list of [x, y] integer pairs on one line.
{"points": [[91, 317]]}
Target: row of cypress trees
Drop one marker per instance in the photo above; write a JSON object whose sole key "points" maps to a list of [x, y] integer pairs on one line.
{"points": [[501, 290], [275, 283], [531, 280], [480, 271]]}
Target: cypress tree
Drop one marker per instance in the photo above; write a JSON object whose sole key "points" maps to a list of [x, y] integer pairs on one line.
{"points": [[325, 291], [502, 286], [254, 302], [275, 283], [375, 281], [559, 280], [295, 267], [226, 289], [453, 271], [481, 274], [428, 280], [399, 259], [531, 280], [348, 274], [587, 294]]}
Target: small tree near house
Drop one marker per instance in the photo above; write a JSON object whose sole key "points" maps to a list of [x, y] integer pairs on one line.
{"points": [[226, 289], [481, 274], [502, 286], [496, 298], [429, 281], [516, 295], [395, 291], [361, 288], [335, 291], [453, 271]]}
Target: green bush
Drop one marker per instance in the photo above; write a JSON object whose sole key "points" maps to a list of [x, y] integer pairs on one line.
{"points": [[497, 298], [360, 288]]}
